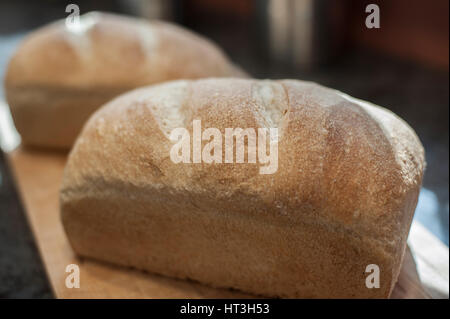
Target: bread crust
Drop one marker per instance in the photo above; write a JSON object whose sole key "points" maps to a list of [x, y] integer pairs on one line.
{"points": [[59, 76], [343, 196]]}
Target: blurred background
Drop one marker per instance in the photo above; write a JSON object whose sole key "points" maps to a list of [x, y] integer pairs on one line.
{"points": [[403, 66]]}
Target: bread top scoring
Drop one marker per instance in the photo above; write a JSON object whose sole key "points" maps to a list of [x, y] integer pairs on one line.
{"points": [[113, 51], [341, 161]]}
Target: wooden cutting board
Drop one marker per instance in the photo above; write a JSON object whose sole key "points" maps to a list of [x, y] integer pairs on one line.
{"points": [[38, 175]]}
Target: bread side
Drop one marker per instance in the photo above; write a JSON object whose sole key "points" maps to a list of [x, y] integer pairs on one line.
{"points": [[60, 75], [342, 198]]}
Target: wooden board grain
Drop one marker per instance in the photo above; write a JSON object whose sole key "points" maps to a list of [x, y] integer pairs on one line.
{"points": [[38, 175]]}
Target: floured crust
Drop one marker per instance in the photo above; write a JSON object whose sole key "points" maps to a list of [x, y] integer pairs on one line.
{"points": [[107, 53], [343, 196]]}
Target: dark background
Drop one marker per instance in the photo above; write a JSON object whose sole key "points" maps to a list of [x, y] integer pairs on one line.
{"points": [[402, 66]]}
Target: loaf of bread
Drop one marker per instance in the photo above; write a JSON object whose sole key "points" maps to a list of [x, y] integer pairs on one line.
{"points": [[61, 74], [342, 197]]}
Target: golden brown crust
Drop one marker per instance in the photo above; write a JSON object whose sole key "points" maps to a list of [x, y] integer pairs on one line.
{"points": [[107, 53], [343, 196]]}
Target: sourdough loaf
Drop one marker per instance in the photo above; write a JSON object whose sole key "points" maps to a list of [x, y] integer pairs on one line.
{"points": [[343, 196], [61, 74]]}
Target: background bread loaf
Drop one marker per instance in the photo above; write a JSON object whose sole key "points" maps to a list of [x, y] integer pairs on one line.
{"points": [[343, 196], [60, 75]]}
